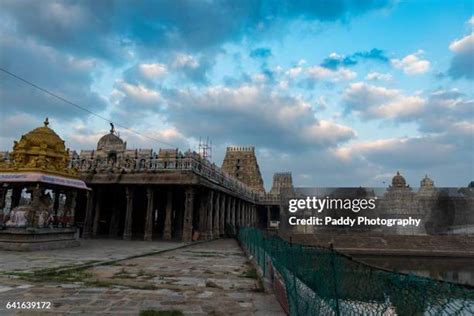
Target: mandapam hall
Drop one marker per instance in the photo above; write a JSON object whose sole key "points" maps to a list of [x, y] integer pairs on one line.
{"points": [[143, 194]]}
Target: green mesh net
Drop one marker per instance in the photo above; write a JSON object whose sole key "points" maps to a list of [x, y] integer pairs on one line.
{"points": [[321, 281]]}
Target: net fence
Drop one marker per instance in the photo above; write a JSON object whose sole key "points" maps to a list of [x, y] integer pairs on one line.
{"points": [[321, 281]]}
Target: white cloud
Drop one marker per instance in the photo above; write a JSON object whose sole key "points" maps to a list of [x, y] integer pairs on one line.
{"points": [[259, 78], [253, 113], [328, 130], [321, 73], [462, 63], [464, 44], [185, 61], [376, 76], [81, 137], [407, 152], [294, 72], [412, 64], [471, 21], [138, 93], [153, 71], [379, 102]]}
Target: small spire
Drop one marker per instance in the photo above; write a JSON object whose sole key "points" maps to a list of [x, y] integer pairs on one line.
{"points": [[112, 128], [398, 173], [46, 122]]}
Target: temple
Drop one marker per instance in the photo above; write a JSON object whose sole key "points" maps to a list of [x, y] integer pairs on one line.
{"points": [[442, 211], [241, 163], [117, 192], [143, 194], [38, 184]]}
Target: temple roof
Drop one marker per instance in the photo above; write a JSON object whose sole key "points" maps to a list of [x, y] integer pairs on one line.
{"points": [[427, 182], [398, 181], [111, 141], [40, 150]]}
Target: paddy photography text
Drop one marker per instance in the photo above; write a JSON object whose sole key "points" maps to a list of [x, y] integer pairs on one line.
{"points": [[314, 207]]}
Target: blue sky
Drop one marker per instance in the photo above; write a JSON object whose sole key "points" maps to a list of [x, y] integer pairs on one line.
{"points": [[341, 93]]}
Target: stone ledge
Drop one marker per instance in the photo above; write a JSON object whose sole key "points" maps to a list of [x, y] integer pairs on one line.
{"points": [[21, 239], [48, 245]]}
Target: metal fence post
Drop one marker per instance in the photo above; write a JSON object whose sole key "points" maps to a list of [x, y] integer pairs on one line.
{"points": [[334, 277]]}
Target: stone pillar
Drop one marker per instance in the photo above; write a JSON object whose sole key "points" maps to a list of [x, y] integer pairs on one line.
{"points": [[98, 208], [3, 195], [246, 209], [149, 214], [70, 208], [127, 232], [222, 216], [228, 211], [232, 212], [169, 205], [246, 214], [254, 215], [188, 214], [241, 211], [215, 228], [203, 216], [86, 233], [210, 209], [269, 216], [115, 218], [250, 214], [237, 213], [32, 222], [57, 194]]}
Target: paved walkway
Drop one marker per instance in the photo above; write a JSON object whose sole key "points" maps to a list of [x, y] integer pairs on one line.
{"points": [[212, 278], [91, 250]]}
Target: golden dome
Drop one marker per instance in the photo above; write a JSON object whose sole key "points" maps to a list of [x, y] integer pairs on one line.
{"points": [[40, 150], [427, 182], [45, 138], [398, 181]]}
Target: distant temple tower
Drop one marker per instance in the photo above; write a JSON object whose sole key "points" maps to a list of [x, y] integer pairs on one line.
{"points": [[282, 181], [241, 163]]}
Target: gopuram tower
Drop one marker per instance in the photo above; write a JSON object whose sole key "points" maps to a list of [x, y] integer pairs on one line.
{"points": [[241, 163]]}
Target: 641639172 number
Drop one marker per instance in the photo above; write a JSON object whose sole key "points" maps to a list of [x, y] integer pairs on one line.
{"points": [[28, 305]]}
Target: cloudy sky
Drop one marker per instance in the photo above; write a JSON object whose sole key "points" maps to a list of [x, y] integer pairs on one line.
{"points": [[341, 93]]}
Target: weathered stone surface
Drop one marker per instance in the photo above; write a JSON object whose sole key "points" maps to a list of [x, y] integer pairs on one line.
{"points": [[172, 280]]}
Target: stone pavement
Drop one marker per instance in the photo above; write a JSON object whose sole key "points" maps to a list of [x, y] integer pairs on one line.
{"points": [[213, 278], [91, 250]]}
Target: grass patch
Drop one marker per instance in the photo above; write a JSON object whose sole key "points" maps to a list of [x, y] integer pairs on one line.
{"points": [[122, 274], [251, 273], [99, 283], [145, 275], [152, 312], [205, 253], [52, 275], [260, 287]]}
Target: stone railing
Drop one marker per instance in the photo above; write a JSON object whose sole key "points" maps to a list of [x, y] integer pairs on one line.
{"points": [[192, 162], [269, 198]]}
